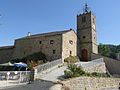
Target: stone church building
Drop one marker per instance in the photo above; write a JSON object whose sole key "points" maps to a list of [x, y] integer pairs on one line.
{"points": [[59, 44]]}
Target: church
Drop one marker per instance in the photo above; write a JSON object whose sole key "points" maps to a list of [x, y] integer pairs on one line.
{"points": [[59, 44]]}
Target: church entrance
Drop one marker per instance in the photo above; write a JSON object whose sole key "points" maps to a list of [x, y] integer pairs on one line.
{"points": [[84, 55]]}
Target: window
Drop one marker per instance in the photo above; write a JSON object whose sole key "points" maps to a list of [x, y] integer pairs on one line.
{"points": [[84, 37], [51, 41], [84, 19], [71, 42], [24, 52], [40, 42], [93, 20], [70, 52], [54, 51]]}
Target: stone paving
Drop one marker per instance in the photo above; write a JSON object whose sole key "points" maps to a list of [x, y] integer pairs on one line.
{"points": [[54, 75], [37, 85]]}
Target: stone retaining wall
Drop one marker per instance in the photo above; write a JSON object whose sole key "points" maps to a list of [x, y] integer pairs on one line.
{"points": [[112, 65], [91, 83], [99, 68], [96, 65]]}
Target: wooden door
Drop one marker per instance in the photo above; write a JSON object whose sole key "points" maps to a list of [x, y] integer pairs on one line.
{"points": [[84, 55]]}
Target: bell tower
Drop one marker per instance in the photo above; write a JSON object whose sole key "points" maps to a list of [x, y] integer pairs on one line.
{"points": [[86, 33]]}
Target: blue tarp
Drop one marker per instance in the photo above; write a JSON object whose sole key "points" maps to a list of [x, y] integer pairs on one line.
{"points": [[20, 64]]}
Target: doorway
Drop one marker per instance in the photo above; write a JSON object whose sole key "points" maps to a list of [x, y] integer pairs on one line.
{"points": [[84, 55]]}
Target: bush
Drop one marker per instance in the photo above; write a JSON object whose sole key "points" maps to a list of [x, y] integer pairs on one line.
{"points": [[76, 71], [73, 71], [68, 74], [32, 60], [95, 74], [71, 59]]}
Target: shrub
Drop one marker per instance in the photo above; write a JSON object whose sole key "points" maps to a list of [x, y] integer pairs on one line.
{"points": [[95, 74], [68, 74], [76, 71], [73, 71], [71, 59], [32, 60]]}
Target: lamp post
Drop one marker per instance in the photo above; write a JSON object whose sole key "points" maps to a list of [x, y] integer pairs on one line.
{"points": [[8, 73]]}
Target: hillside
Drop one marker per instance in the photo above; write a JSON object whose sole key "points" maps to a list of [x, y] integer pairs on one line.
{"points": [[109, 50]]}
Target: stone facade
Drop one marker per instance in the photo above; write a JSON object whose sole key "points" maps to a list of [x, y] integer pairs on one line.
{"points": [[86, 32], [53, 45], [91, 83], [6, 53], [69, 44]]}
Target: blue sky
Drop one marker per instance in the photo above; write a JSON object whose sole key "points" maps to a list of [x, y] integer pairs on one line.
{"points": [[39, 16]]}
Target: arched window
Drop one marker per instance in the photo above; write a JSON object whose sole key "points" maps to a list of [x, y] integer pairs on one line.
{"points": [[83, 19]]}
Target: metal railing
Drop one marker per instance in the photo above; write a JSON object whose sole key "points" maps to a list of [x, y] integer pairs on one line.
{"points": [[11, 78]]}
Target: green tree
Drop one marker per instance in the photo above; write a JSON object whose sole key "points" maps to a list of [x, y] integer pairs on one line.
{"points": [[104, 50]]}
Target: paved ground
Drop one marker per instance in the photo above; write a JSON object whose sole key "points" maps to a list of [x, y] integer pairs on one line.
{"points": [[54, 75], [57, 73], [37, 85]]}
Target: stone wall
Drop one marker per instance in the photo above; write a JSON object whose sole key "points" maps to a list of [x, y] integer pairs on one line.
{"points": [[112, 65], [91, 83], [6, 54], [69, 44], [47, 44], [96, 65]]}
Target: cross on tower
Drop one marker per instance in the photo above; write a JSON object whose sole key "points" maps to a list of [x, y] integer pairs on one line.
{"points": [[86, 9]]}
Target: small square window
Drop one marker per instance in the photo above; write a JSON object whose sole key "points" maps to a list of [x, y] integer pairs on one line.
{"points": [[51, 41], [40, 42], [54, 51]]}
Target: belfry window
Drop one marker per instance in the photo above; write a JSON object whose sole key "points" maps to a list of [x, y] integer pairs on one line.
{"points": [[83, 19]]}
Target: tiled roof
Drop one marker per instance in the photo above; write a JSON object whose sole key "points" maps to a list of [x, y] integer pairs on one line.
{"points": [[46, 34], [7, 47]]}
